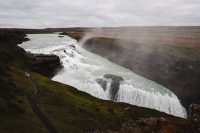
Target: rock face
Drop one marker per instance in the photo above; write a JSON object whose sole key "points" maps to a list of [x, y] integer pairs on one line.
{"points": [[113, 77], [47, 65], [74, 34], [156, 125], [61, 36], [194, 114], [114, 84], [102, 83], [173, 67], [153, 125]]}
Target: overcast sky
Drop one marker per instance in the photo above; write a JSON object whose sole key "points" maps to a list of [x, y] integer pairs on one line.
{"points": [[79, 13]]}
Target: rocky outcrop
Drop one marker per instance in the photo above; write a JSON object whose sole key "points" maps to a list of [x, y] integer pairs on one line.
{"points": [[178, 71], [103, 83], [114, 85], [154, 125], [115, 78], [61, 36], [114, 88], [74, 34], [194, 114], [47, 65], [161, 124]]}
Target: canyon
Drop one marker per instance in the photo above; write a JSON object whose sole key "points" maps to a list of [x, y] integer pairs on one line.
{"points": [[65, 106], [167, 55]]}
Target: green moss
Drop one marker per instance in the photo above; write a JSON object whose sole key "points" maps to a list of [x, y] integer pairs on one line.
{"points": [[15, 111], [71, 109]]}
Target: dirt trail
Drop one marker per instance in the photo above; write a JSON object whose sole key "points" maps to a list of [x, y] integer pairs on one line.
{"points": [[35, 108]]}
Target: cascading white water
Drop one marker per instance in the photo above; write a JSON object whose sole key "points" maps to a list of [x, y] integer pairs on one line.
{"points": [[82, 69]]}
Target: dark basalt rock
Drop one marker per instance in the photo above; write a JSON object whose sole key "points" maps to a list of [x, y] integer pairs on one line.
{"points": [[114, 85], [74, 34], [72, 46], [113, 77], [102, 83], [47, 65], [194, 114], [61, 36]]}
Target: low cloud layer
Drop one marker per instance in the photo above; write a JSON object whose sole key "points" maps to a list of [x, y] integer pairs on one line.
{"points": [[84, 13]]}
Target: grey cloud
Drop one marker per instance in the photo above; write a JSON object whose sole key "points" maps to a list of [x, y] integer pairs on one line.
{"points": [[68, 13]]}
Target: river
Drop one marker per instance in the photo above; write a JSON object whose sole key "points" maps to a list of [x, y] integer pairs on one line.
{"points": [[82, 69]]}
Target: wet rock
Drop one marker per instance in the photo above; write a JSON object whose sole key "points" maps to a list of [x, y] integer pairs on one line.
{"points": [[72, 46], [114, 85], [61, 36], [102, 83], [69, 54], [45, 64], [113, 77]]}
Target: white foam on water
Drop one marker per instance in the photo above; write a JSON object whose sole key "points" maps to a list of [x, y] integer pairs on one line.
{"points": [[82, 68]]}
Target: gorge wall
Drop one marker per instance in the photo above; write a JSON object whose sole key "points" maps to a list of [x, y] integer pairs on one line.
{"points": [[171, 66]]}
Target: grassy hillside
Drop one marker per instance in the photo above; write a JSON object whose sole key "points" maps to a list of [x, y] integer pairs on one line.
{"points": [[15, 112], [68, 109]]}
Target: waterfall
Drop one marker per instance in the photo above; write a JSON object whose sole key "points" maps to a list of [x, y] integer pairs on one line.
{"points": [[82, 69], [155, 100]]}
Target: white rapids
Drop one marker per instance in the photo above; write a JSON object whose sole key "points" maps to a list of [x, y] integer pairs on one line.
{"points": [[82, 68]]}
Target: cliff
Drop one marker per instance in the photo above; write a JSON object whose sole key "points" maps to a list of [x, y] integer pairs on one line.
{"points": [[175, 66], [47, 65]]}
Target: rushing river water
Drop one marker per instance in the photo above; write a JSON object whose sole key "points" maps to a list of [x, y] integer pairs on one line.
{"points": [[82, 69]]}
